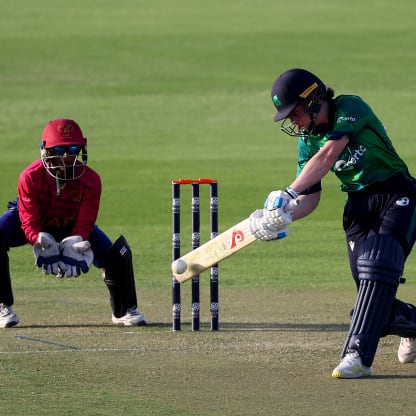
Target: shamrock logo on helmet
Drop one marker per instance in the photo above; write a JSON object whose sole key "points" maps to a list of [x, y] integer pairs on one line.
{"points": [[276, 100]]}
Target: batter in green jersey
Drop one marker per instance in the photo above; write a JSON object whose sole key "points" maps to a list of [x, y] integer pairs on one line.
{"points": [[369, 156], [343, 135]]}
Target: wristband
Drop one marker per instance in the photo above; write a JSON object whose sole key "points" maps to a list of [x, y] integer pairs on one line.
{"points": [[291, 192]]}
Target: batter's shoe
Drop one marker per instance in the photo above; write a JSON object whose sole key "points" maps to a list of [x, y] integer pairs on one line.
{"points": [[407, 350], [132, 318], [7, 317], [351, 366]]}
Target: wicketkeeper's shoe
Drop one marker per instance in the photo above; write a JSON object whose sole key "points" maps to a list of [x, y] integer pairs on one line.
{"points": [[407, 350], [132, 318], [7, 317], [351, 366]]}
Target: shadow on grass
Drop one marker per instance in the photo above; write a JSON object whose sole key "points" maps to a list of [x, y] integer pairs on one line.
{"points": [[263, 326], [389, 377], [273, 326], [223, 326], [46, 326]]}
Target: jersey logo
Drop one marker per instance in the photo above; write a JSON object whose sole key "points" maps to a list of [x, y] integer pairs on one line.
{"points": [[341, 119], [354, 156], [343, 165], [403, 202]]}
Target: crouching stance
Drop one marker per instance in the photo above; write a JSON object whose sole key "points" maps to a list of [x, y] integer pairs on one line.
{"points": [[56, 209]]}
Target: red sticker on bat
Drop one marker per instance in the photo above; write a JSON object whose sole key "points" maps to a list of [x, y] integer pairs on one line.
{"points": [[237, 237]]}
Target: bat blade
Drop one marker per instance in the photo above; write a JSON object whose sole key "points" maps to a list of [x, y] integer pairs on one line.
{"points": [[215, 250]]}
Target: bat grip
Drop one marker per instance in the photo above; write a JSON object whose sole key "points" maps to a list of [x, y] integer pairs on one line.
{"points": [[291, 204]]}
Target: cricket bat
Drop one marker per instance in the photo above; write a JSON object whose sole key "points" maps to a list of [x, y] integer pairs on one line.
{"points": [[217, 249], [213, 251]]}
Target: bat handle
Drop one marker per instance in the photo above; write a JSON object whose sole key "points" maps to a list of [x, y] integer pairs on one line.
{"points": [[291, 204]]}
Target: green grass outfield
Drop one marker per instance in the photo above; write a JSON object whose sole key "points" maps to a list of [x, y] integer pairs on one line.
{"points": [[180, 88]]}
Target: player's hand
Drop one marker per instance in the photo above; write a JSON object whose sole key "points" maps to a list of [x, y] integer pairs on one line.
{"points": [[267, 235], [47, 254], [281, 199], [76, 254], [263, 229], [278, 206]]}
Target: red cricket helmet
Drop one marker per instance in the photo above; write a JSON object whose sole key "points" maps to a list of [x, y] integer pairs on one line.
{"points": [[63, 137], [62, 132]]}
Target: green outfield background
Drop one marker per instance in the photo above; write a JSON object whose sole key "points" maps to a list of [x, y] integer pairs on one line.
{"points": [[165, 89]]}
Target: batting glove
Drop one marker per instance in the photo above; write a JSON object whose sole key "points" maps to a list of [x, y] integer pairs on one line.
{"points": [[77, 255], [267, 235], [47, 254], [263, 229], [279, 199], [278, 218], [278, 206]]}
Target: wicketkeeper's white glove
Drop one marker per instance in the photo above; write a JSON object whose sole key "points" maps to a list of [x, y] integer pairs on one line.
{"points": [[264, 230], [47, 254], [76, 254]]}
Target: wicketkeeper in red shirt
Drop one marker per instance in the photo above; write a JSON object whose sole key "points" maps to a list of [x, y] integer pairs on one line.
{"points": [[56, 210]]}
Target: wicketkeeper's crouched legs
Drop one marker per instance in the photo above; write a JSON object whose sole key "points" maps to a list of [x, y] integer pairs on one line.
{"points": [[6, 293], [380, 266], [119, 277]]}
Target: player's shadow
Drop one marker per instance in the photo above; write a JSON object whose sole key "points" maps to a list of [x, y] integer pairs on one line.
{"points": [[389, 377], [283, 326], [57, 325], [223, 326], [262, 326]]}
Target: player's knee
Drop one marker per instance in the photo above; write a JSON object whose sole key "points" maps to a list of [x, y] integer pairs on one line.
{"points": [[382, 259]]}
